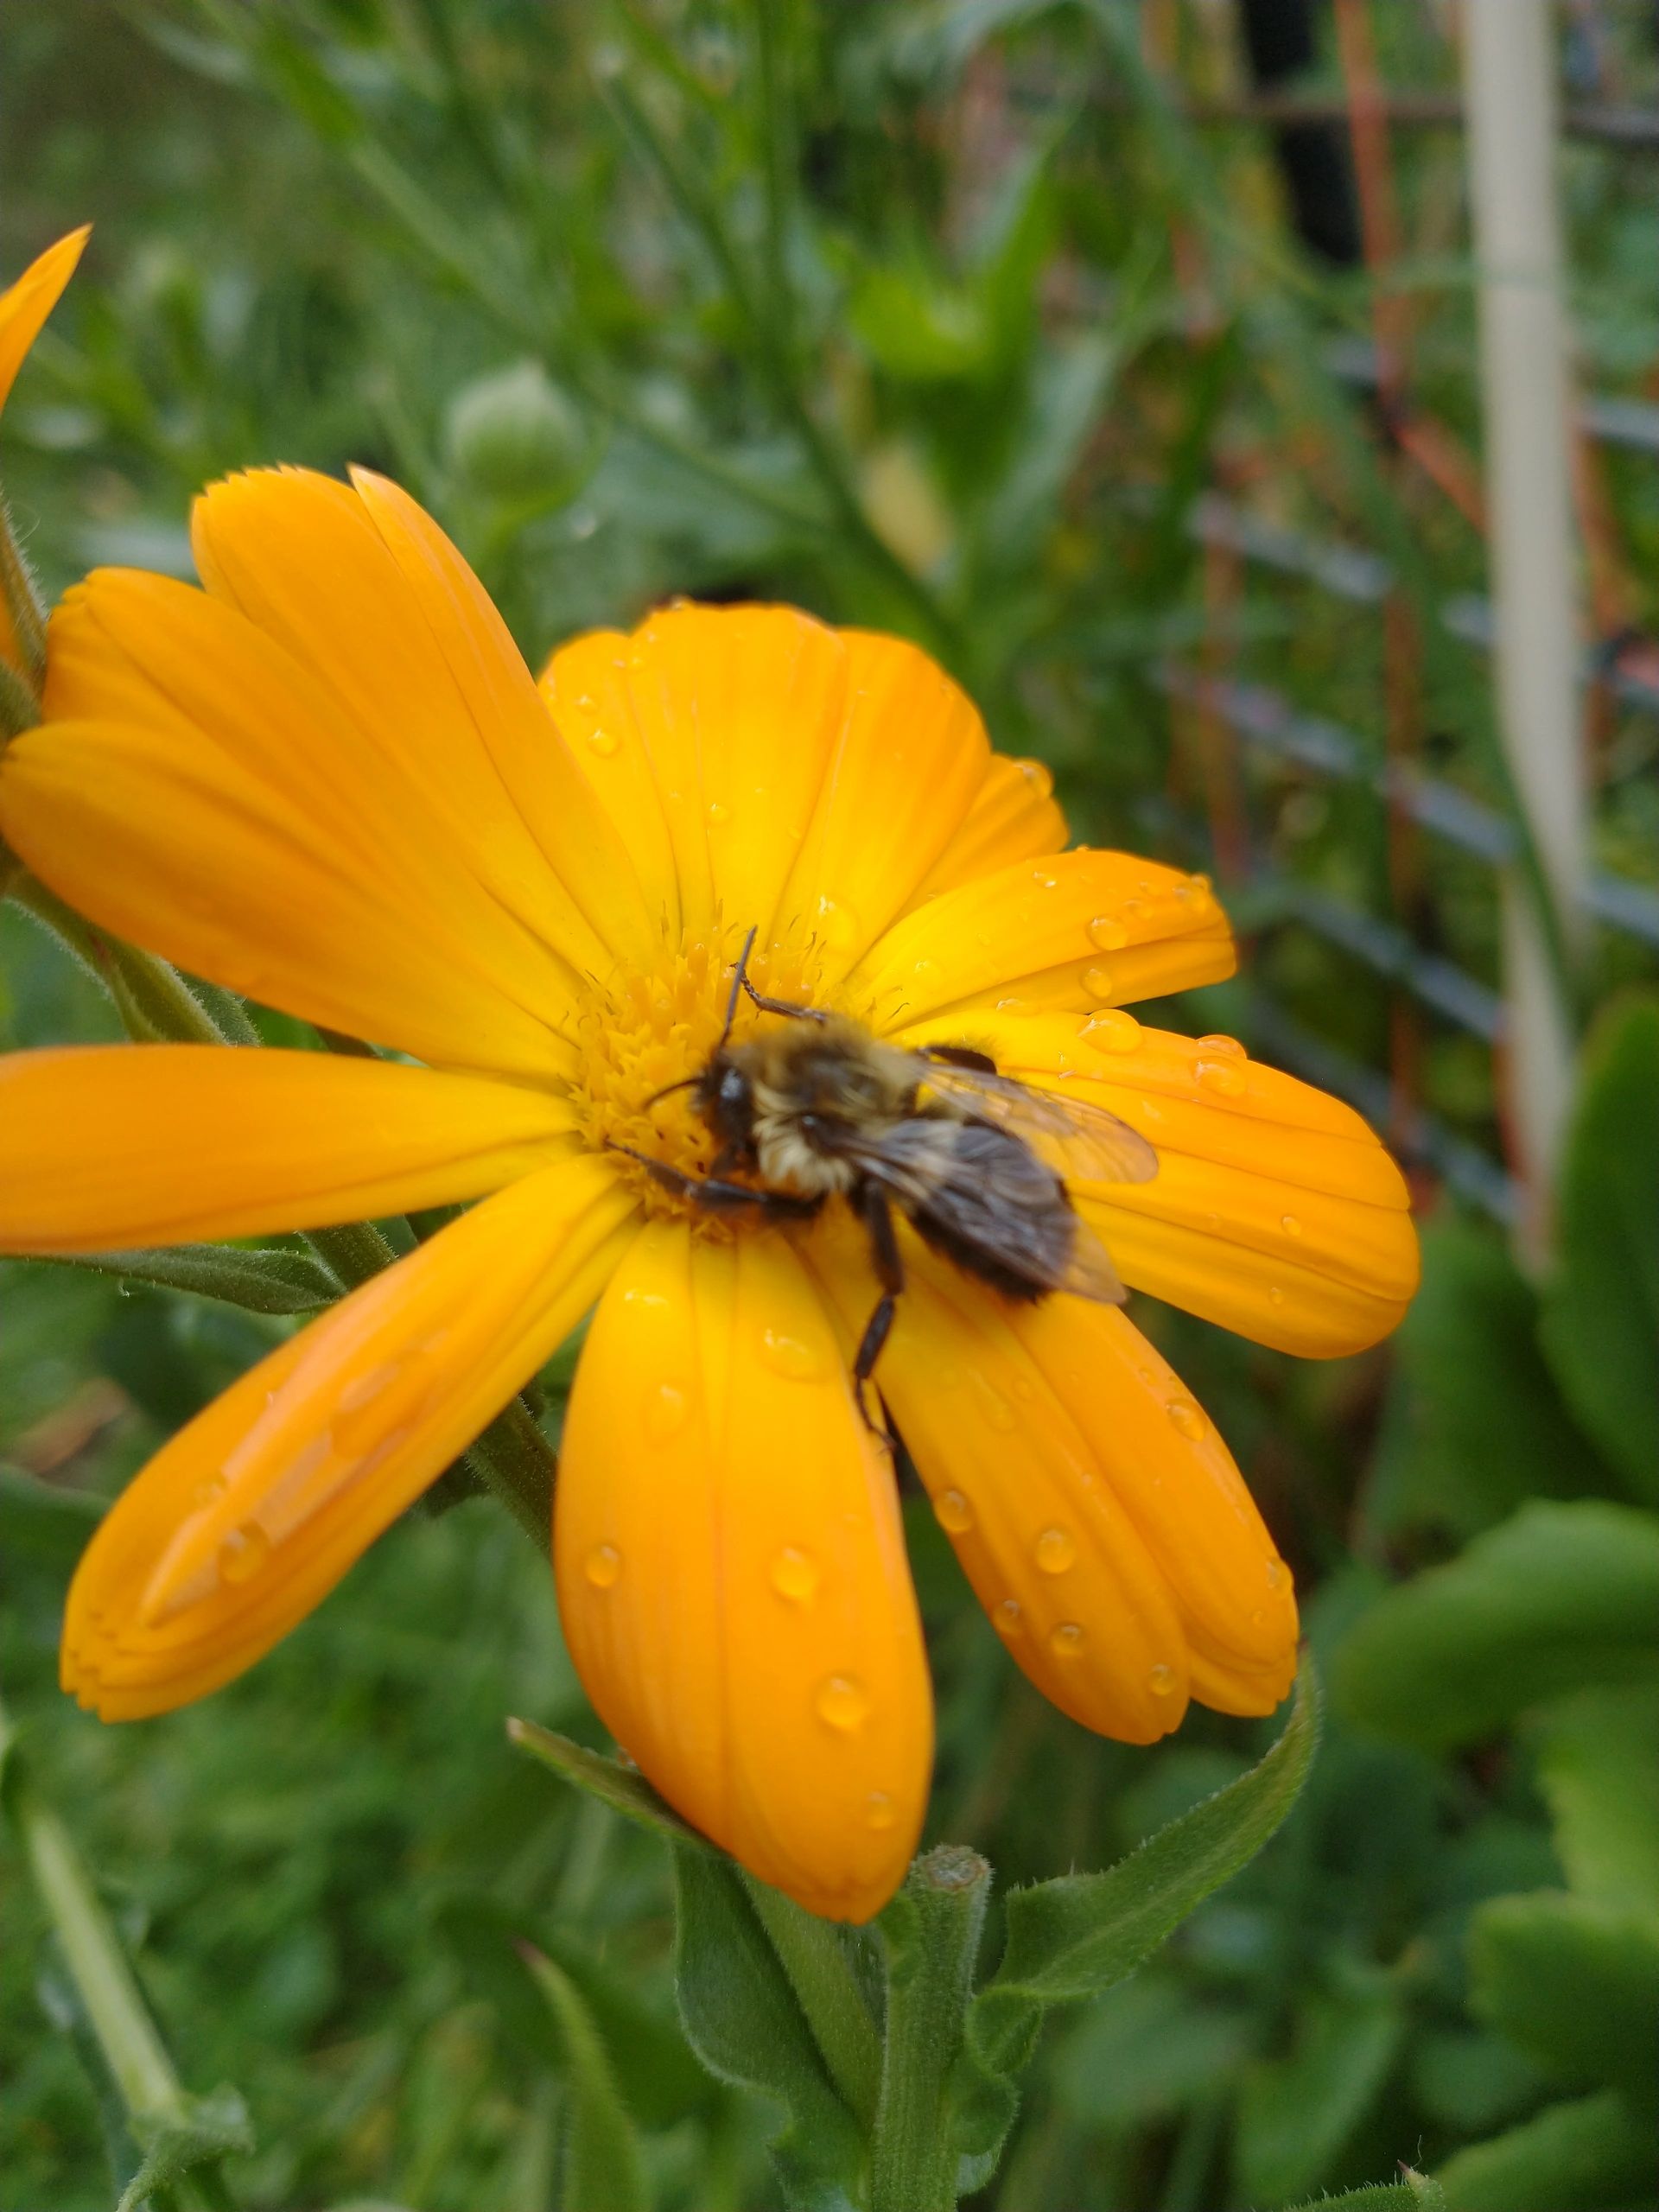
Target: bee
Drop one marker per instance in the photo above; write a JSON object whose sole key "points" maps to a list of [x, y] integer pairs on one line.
{"points": [[977, 1163]]}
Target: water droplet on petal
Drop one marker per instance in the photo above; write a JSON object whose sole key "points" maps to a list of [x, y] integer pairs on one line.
{"points": [[665, 1412], [1230, 1046], [1056, 1551], [1186, 1417], [1043, 882], [788, 1356], [952, 1511], [1000, 1414], [1007, 1618], [1067, 1641], [242, 1553], [837, 925], [1224, 1077], [842, 1703], [206, 1492], [1194, 894], [795, 1575], [1037, 774], [1276, 1296], [1278, 1574], [1099, 982], [879, 1811], [603, 741], [1161, 1680], [1112, 1031], [1107, 932], [1291, 1226], [719, 811], [602, 1566]]}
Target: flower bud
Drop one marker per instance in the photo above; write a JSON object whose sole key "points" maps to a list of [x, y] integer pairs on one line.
{"points": [[513, 434]]}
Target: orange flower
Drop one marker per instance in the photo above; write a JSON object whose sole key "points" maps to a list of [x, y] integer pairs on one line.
{"points": [[328, 781], [24, 306]]}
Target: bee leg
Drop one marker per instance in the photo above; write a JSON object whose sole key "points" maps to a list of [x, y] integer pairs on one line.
{"points": [[784, 1006], [877, 1217], [960, 1056], [714, 1195]]}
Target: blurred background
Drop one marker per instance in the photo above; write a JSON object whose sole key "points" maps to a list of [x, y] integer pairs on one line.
{"points": [[1129, 358]]}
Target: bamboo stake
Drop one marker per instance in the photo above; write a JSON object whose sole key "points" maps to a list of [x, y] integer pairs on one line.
{"points": [[1510, 90]]}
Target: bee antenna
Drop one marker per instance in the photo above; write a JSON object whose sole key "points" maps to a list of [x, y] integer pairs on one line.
{"points": [[737, 989], [685, 1082]]}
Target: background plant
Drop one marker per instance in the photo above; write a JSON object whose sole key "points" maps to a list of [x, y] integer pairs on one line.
{"points": [[947, 319]]}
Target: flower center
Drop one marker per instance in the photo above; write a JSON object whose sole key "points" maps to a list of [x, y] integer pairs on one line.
{"points": [[641, 1033]]}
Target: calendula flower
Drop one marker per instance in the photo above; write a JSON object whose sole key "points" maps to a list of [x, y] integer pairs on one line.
{"points": [[328, 780], [24, 306]]}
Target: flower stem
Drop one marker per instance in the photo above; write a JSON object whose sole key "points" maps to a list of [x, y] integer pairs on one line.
{"points": [[933, 1930]]}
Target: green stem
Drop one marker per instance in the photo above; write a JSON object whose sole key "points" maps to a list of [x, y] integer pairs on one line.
{"points": [[813, 1953], [153, 1000], [22, 603], [933, 1929]]}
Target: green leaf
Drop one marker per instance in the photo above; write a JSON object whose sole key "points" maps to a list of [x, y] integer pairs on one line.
{"points": [[206, 2130], [660, 2080], [745, 2025], [1072, 1938], [1574, 1983], [1560, 1597], [42, 1522], [1297, 2114], [1596, 1766], [1476, 1425], [1593, 2155], [1415, 2192], [1601, 1320], [602, 2165], [267, 1281], [623, 1789], [822, 1961], [1144, 2051]]}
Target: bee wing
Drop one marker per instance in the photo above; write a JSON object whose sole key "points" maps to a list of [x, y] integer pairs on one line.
{"points": [[996, 1197], [1083, 1143]]}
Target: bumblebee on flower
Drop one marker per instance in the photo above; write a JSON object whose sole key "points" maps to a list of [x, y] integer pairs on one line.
{"points": [[564, 913]]}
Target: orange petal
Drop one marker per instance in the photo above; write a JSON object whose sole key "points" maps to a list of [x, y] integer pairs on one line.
{"points": [[255, 1509], [1075, 930], [1013, 817], [735, 711], [216, 804], [910, 753], [732, 1577], [1109, 1537], [1275, 1212], [122, 1145], [25, 305]]}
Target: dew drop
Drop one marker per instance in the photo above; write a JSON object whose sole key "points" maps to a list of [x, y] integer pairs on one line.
{"points": [[1000, 1414], [1107, 932], [602, 1566], [842, 1703], [1278, 1574], [1055, 1551], [1194, 894], [795, 1575], [1067, 1641], [1038, 775], [1186, 1417], [1006, 1619], [242, 1553], [719, 811], [788, 1356], [1224, 1077], [1276, 1296], [603, 741], [1013, 1006], [1112, 1031], [1043, 883], [1161, 1680], [838, 924], [1231, 1045], [879, 1811], [952, 1511], [1291, 1226], [1099, 982], [205, 1492], [665, 1412]]}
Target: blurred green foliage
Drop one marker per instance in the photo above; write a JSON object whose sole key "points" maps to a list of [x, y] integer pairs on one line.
{"points": [[940, 317]]}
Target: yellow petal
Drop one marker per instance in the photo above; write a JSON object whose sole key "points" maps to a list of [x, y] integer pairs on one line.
{"points": [[248, 1516], [1275, 1210], [732, 1577], [590, 858], [1013, 817], [25, 305], [736, 709], [1073, 931], [1109, 1539], [910, 753], [122, 1144], [211, 801]]}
